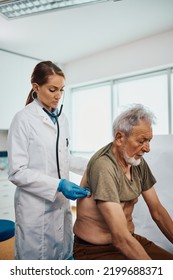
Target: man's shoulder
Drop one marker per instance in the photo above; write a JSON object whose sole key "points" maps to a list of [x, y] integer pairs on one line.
{"points": [[100, 157]]}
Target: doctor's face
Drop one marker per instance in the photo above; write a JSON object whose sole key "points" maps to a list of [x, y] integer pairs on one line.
{"points": [[50, 93]]}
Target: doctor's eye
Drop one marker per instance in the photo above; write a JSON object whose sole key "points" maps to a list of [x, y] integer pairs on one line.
{"points": [[56, 90], [52, 89]]}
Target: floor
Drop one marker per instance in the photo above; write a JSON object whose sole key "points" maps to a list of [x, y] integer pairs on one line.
{"points": [[7, 249]]}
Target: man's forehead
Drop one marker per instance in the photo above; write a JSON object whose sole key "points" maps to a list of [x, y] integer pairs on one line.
{"points": [[143, 129]]}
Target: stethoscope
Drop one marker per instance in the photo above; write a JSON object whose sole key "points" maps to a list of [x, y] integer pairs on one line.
{"points": [[56, 116]]}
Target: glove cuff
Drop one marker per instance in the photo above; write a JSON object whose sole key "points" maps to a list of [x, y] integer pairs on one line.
{"points": [[60, 185]]}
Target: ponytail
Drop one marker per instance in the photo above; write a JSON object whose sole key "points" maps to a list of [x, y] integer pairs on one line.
{"points": [[30, 97]]}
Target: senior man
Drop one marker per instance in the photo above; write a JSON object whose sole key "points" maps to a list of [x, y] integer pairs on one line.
{"points": [[117, 175]]}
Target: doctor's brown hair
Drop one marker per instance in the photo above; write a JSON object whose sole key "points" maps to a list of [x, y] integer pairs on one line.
{"points": [[40, 75]]}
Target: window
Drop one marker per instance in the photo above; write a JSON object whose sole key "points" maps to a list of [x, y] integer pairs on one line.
{"points": [[150, 91], [95, 107], [91, 119]]}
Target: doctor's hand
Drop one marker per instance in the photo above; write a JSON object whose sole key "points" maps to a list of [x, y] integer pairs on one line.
{"points": [[71, 190]]}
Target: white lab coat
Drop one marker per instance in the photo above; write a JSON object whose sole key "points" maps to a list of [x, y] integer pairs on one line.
{"points": [[43, 215]]}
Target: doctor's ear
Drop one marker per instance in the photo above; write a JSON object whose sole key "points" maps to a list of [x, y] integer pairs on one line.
{"points": [[35, 87]]}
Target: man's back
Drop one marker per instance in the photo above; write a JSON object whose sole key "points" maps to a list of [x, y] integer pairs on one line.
{"points": [[90, 225]]}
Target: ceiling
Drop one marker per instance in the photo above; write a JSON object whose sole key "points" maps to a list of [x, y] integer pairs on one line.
{"points": [[67, 35]]}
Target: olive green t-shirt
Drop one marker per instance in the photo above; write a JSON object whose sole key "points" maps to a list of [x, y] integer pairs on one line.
{"points": [[108, 182]]}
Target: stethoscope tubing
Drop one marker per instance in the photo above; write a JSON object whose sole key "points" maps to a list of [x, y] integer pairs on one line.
{"points": [[58, 132]]}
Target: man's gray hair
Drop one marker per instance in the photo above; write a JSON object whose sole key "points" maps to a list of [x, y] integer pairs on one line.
{"points": [[131, 117]]}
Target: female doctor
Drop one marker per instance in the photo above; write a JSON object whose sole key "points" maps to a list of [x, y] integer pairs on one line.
{"points": [[39, 164]]}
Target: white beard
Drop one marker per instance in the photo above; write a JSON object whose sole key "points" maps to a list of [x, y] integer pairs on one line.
{"points": [[131, 160]]}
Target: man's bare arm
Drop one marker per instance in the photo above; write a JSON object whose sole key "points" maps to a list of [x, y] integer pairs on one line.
{"points": [[159, 213], [121, 237]]}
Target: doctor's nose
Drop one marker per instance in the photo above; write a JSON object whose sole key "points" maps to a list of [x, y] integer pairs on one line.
{"points": [[58, 94]]}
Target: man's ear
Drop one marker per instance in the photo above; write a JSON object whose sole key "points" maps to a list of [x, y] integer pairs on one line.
{"points": [[119, 137]]}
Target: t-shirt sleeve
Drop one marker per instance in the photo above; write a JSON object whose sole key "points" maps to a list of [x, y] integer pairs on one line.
{"points": [[148, 180], [103, 181]]}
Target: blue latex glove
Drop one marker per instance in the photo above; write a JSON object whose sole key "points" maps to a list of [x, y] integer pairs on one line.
{"points": [[71, 190]]}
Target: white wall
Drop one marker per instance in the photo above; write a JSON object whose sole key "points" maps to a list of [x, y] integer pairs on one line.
{"points": [[15, 73], [150, 53]]}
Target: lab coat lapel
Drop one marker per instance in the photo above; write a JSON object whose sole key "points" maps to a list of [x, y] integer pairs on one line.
{"points": [[46, 119]]}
